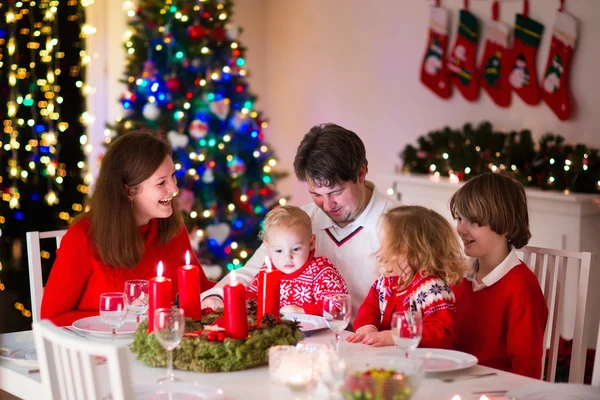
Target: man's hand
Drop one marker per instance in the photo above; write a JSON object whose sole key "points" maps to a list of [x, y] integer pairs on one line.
{"points": [[362, 333], [212, 302], [379, 339], [292, 309]]}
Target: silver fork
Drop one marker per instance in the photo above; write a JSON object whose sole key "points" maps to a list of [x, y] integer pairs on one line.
{"points": [[467, 377]]}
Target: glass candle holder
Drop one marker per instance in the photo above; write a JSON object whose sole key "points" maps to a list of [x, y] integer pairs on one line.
{"points": [[293, 367]]}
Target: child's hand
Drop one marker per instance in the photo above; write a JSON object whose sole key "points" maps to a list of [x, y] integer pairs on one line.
{"points": [[358, 337], [292, 309], [379, 339]]}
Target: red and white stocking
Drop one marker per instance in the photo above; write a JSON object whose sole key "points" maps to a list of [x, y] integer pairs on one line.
{"points": [[523, 76], [461, 62], [495, 63], [554, 86], [434, 74]]}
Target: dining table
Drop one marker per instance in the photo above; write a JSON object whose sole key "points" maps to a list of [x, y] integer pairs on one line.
{"points": [[255, 383]]}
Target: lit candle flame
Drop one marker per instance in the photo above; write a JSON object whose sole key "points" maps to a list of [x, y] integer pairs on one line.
{"points": [[233, 276], [187, 257], [268, 263], [457, 397], [484, 397], [159, 269]]}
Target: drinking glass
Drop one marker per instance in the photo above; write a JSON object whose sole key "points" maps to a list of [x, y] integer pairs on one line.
{"points": [[136, 297], [169, 327], [337, 310], [407, 329], [113, 311]]}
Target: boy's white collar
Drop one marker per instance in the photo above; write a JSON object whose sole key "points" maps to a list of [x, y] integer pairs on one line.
{"points": [[511, 261]]}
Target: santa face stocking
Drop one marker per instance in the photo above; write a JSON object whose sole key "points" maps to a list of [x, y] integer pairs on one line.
{"points": [[554, 86], [523, 75], [434, 74], [495, 64], [461, 62]]}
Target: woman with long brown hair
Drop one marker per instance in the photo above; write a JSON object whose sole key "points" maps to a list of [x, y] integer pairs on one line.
{"points": [[132, 224]]}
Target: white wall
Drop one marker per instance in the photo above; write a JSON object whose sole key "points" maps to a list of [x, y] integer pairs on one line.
{"points": [[357, 63]]}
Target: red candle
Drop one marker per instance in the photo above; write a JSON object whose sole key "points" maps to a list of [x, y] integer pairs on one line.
{"points": [[159, 293], [234, 309], [188, 283], [269, 282]]}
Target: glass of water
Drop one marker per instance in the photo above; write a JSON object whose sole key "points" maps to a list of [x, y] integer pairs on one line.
{"points": [[112, 310], [337, 310], [169, 327], [136, 296], [407, 329]]}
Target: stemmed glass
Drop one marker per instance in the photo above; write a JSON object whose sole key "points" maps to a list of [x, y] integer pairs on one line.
{"points": [[337, 310], [169, 327], [113, 311], [136, 297], [407, 329]]}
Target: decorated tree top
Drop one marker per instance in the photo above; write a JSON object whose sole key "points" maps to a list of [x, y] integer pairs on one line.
{"points": [[186, 78]]}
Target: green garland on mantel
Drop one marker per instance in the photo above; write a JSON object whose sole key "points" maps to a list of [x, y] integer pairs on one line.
{"points": [[470, 151], [203, 355]]}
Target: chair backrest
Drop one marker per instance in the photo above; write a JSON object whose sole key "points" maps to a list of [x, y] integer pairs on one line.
{"points": [[550, 267], [36, 285], [596, 371], [69, 368]]}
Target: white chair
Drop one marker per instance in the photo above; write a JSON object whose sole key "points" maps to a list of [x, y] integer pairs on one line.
{"points": [[596, 372], [550, 267], [36, 286], [69, 370]]}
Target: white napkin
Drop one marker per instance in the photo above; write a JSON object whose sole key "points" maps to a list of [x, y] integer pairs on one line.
{"points": [[556, 391]]}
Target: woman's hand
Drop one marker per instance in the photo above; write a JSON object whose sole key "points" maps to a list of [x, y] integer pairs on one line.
{"points": [[361, 334], [292, 309], [379, 339]]}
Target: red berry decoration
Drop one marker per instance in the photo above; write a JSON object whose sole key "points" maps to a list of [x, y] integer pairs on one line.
{"points": [[207, 310], [211, 336], [221, 336]]}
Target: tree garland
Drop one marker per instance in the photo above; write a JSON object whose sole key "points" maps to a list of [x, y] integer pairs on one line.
{"points": [[214, 353]]}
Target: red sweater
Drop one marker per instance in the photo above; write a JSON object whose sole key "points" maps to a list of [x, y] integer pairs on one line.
{"points": [[430, 296], [503, 324], [305, 288], [77, 278]]}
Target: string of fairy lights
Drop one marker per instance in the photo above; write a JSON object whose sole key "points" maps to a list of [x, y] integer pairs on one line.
{"points": [[199, 162], [34, 104]]}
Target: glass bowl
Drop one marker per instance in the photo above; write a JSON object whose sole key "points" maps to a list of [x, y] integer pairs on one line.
{"points": [[382, 378]]}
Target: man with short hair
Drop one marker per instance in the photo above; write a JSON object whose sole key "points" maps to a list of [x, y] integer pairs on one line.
{"points": [[345, 210]]}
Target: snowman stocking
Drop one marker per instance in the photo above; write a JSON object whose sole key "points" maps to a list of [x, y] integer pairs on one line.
{"points": [[554, 88], [434, 74], [495, 63], [523, 76], [461, 62]]}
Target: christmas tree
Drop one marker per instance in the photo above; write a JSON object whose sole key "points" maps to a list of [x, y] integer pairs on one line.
{"points": [[186, 79], [43, 117]]}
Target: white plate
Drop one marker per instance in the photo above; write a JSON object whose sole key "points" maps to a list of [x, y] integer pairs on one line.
{"points": [[177, 391], [95, 327], [439, 360], [308, 322], [23, 357], [555, 391]]}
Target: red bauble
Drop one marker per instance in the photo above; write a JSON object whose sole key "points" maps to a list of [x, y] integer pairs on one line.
{"points": [[196, 32], [173, 84], [219, 34]]}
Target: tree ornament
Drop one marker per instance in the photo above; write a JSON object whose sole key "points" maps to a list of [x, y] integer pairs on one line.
{"points": [[238, 120], [196, 32], [434, 73], [218, 232], [185, 199], [232, 31], [495, 63], [149, 71], [151, 111], [523, 76], [208, 176], [198, 129], [173, 84], [555, 91], [461, 62], [177, 140], [236, 167], [220, 108]]}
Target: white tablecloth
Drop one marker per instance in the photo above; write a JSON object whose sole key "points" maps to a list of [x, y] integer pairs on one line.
{"points": [[255, 383]]}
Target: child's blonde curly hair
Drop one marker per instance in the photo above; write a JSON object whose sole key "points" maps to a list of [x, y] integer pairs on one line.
{"points": [[425, 238], [285, 216]]}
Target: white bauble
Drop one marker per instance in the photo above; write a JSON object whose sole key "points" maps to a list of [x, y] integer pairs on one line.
{"points": [[151, 111], [232, 31], [208, 176], [178, 140]]}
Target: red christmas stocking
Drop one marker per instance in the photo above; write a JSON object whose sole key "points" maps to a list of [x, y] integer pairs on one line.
{"points": [[434, 74], [554, 88], [495, 64], [523, 76], [461, 62]]}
